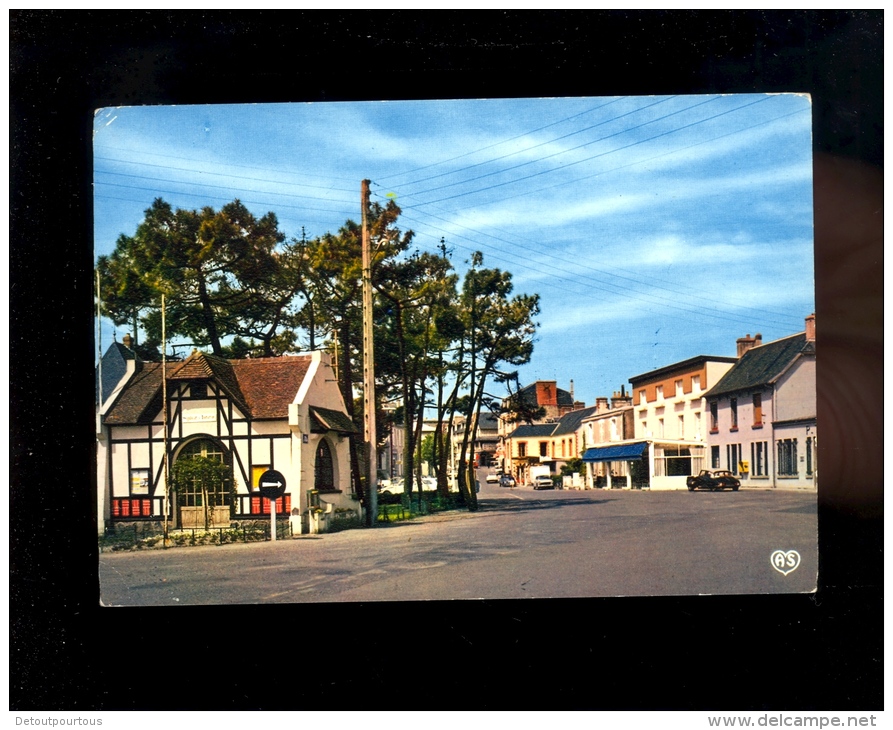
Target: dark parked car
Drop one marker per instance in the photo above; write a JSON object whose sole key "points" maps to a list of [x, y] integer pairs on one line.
{"points": [[713, 481], [506, 480]]}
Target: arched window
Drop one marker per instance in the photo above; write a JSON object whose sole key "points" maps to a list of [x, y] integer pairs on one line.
{"points": [[324, 472]]}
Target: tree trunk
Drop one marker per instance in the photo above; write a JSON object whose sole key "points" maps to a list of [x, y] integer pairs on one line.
{"points": [[208, 315]]}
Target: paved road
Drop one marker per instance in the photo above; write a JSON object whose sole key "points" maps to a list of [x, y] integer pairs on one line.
{"points": [[521, 543]]}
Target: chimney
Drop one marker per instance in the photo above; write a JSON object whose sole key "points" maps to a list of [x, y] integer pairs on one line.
{"points": [[601, 404], [546, 393], [810, 328], [618, 400], [747, 342], [127, 341]]}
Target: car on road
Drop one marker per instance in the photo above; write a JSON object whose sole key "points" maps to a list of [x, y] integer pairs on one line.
{"points": [[493, 478], [543, 481], [506, 480], [713, 481]]}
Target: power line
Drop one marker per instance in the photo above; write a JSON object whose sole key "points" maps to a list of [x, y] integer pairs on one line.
{"points": [[306, 208], [587, 159], [219, 197], [615, 288], [532, 147], [505, 141], [564, 151], [637, 281], [602, 272], [209, 185], [192, 159], [641, 161]]}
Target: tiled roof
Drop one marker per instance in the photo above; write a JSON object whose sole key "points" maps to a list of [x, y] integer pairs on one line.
{"points": [[263, 387], [202, 366], [570, 422], [271, 383], [528, 395], [132, 405], [325, 419], [537, 429], [761, 365]]}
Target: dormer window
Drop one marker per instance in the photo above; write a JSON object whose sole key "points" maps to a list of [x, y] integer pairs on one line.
{"points": [[198, 390]]}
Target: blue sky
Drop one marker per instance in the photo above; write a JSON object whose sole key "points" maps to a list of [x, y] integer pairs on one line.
{"points": [[653, 228]]}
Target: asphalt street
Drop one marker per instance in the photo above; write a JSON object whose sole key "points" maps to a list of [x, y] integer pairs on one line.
{"points": [[520, 543]]}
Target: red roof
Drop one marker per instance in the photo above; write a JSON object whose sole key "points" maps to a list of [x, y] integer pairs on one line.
{"points": [[263, 387], [269, 384]]}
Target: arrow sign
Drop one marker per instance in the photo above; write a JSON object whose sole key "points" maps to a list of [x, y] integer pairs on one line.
{"points": [[272, 484]]}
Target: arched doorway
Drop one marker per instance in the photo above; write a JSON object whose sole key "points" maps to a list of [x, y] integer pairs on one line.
{"points": [[324, 468], [202, 476]]}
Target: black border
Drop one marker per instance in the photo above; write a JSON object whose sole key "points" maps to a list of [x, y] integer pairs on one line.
{"points": [[752, 652]]}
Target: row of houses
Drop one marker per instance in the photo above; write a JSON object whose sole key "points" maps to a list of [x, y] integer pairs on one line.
{"points": [[753, 414]]}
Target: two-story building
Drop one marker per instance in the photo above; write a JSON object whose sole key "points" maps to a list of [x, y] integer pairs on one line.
{"points": [[557, 443], [669, 422], [283, 414], [762, 413], [605, 434], [529, 445], [542, 395]]}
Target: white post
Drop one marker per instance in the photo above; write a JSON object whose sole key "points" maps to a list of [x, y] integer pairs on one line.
{"points": [[272, 520]]}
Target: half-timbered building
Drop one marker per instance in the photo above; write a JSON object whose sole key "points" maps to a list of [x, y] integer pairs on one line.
{"points": [[284, 414]]}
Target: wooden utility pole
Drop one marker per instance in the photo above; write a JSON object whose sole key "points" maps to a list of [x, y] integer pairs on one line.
{"points": [[368, 369]]}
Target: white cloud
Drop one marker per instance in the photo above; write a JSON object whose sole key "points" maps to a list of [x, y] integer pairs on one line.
{"points": [[586, 313]]}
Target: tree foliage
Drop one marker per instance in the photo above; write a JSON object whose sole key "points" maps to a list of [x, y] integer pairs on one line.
{"points": [[233, 284], [500, 331], [224, 273]]}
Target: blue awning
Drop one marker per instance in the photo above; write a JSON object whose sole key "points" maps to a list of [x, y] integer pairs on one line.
{"points": [[622, 452]]}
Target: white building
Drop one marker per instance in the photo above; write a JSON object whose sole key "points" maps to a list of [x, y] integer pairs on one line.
{"points": [[284, 414], [669, 418], [762, 414]]}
